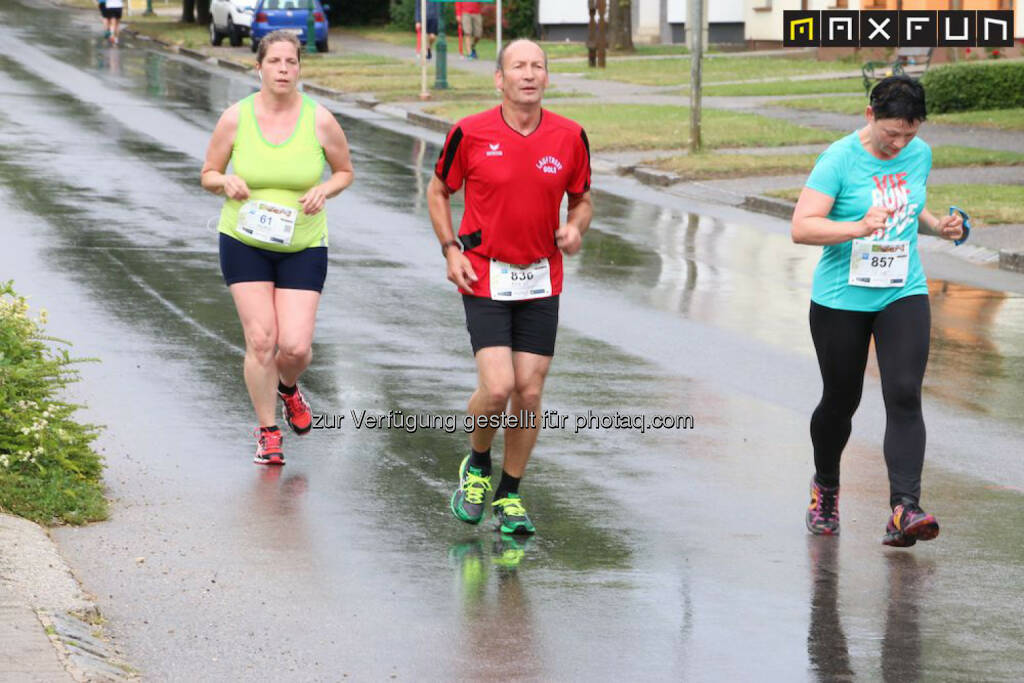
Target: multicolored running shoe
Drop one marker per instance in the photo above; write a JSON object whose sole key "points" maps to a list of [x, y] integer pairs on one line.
{"points": [[823, 512], [908, 525], [510, 516], [268, 447], [509, 551], [468, 500], [297, 412]]}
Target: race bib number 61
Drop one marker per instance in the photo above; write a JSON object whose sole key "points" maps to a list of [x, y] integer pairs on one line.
{"points": [[267, 222]]}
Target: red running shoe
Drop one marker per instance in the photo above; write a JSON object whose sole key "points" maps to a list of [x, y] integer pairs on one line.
{"points": [[296, 411], [908, 525], [268, 447]]}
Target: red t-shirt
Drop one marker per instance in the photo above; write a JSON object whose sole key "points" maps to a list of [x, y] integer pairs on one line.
{"points": [[468, 7], [514, 187]]}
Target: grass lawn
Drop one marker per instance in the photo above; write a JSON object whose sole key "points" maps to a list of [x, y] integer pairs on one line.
{"points": [[815, 87], [854, 104], [707, 166], [988, 204], [171, 31], [392, 79], [487, 48], [677, 71], [1004, 119], [628, 126]]}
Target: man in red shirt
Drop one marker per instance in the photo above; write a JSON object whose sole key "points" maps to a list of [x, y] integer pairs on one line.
{"points": [[516, 162], [472, 23]]}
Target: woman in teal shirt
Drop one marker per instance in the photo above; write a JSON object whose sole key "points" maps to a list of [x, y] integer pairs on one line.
{"points": [[864, 202]]}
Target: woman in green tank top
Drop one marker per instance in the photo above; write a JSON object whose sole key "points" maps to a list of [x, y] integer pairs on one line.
{"points": [[273, 229]]}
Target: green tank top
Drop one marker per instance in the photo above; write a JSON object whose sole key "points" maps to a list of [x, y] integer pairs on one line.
{"points": [[278, 173]]}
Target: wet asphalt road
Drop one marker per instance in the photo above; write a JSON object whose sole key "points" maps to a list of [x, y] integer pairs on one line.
{"points": [[664, 555]]}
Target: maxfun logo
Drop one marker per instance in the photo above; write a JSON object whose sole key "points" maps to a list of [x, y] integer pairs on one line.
{"points": [[901, 28]]}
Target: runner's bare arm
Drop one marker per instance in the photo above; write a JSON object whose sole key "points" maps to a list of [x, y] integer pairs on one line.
{"points": [[947, 227], [335, 144], [218, 154], [810, 225], [569, 236], [460, 270]]}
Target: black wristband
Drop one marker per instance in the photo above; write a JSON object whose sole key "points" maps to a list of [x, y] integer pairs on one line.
{"points": [[450, 243]]}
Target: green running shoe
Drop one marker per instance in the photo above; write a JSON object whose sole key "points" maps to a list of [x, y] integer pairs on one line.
{"points": [[468, 499], [509, 551], [510, 516]]}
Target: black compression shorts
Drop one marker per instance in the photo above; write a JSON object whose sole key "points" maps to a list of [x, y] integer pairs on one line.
{"points": [[529, 326], [306, 269]]}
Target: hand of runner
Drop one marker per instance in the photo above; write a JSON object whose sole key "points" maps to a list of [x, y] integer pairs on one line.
{"points": [[235, 188], [568, 238], [313, 200], [460, 270], [873, 220], [951, 227]]}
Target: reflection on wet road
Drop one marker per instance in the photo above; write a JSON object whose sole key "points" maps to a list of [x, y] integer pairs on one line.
{"points": [[664, 555]]}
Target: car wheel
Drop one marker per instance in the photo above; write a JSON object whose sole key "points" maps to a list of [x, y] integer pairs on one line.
{"points": [[321, 45], [255, 44], [234, 34], [216, 37]]}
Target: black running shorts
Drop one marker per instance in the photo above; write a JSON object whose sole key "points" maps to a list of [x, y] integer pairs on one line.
{"points": [[306, 269], [528, 326]]}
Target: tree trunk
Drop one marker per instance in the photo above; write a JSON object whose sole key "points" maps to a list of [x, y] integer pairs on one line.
{"points": [[620, 24], [188, 11], [203, 12]]}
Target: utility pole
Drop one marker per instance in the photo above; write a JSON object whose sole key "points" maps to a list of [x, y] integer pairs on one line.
{"points": [[695, 38]]}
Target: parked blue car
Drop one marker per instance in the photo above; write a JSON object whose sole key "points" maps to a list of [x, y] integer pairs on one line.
{"points": [[291, 16]]}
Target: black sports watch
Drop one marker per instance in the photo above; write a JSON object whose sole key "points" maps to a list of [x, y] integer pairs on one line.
{"points": [[450, 243]]}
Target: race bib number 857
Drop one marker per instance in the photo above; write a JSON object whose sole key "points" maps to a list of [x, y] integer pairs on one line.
{"points": [[879, 263]]}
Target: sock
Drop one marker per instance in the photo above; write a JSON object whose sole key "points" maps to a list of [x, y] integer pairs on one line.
{"points": [[271, 428], [480, 460], [507, 485], [287, 391]]}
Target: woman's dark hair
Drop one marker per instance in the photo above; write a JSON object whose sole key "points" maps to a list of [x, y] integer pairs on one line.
{"points": [[899, 97]]}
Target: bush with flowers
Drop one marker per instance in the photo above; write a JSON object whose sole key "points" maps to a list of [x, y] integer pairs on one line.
{"points": [[48, 470]]}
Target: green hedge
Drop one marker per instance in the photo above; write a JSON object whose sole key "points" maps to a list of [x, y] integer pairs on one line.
{"points": [[977, 85]]}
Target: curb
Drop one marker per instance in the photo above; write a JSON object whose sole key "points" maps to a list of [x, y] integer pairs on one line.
{"points": [[1011, 260], [779, 208], [652, 176]]}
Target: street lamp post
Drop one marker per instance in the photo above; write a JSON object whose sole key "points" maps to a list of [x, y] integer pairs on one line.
{"points": [[441, 65], [310, 29]]}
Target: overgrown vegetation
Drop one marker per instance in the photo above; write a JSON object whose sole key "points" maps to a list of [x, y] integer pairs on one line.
{"points": [[49, 472]]}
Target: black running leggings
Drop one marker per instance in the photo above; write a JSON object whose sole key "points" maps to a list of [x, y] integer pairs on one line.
{"points": [[841, 340]]}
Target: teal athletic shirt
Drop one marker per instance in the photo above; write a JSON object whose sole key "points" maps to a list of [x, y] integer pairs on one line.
{"points": [[857, 181]]}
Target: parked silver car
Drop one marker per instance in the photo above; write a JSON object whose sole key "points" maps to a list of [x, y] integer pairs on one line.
{"points": [[231, 19]]}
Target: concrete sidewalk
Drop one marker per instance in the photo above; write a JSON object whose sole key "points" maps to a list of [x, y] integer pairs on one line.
{"points": [[49, 629]]}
